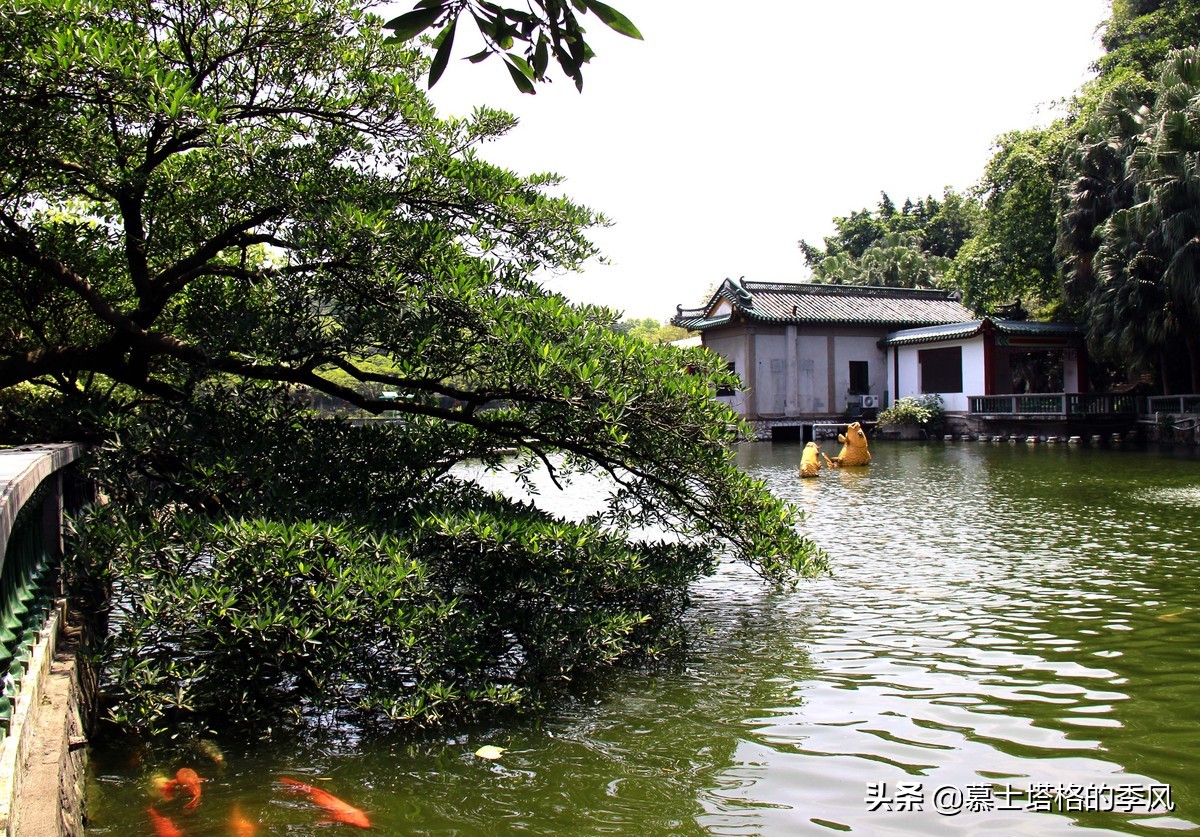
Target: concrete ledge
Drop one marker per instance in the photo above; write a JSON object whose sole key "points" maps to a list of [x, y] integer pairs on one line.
{"points": [[51, 759], [22, 729], [42, 756]]}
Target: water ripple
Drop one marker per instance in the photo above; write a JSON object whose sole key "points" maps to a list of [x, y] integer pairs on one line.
{"points": [[1000, 616]]}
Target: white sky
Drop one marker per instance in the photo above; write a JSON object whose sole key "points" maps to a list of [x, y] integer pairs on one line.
{"points": [[737, 128]]}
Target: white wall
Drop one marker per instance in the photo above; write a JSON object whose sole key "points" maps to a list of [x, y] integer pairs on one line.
{"points": [[972, 373], [1071, 377]]}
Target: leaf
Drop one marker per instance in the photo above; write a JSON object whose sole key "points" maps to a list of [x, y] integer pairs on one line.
{"points": [[521, 65], [490, 752], [519, 78], [413, 23], [541, 57], [614, 19], [442, 56]]}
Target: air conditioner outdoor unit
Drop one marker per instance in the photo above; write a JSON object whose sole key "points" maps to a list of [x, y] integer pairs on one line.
{"points": [[870, 402]]}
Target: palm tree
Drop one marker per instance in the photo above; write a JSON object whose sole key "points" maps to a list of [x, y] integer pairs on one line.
{"points": [[838, 269], [1129, 315], [896, 261], [1096, 182], [1167, 168], [1146, 300]]}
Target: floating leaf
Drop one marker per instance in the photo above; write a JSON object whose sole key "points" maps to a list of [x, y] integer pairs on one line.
{"points": [[488, 751]]}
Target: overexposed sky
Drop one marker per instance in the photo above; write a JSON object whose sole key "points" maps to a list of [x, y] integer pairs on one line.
{"points": [[736, 129]]}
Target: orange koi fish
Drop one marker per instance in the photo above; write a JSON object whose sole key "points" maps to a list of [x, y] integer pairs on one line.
{"points": [[239, 826], [338, 810], [163, 827], [185, 778]]}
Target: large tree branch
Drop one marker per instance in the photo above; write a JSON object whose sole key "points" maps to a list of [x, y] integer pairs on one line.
{"points": [[620, 462], [101, 186], [616, 461], [175, 278], [19, 244], [107, 358], [433, 386]]}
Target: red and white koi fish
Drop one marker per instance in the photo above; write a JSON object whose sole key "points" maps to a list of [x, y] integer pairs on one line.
{"points": [[338, 810], [185, 779]]}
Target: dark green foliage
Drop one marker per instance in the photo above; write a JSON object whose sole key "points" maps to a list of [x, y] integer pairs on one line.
{"points": [[906, 248], [259, 206], [1096, 182], [252, 621], [1125, 200], [1145, 304], [936, 227], [547, 28], [378, 584], [1141, 33], [1011, 256]]}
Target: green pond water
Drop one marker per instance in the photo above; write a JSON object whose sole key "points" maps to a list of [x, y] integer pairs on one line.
{"points": [[1009, 627]]}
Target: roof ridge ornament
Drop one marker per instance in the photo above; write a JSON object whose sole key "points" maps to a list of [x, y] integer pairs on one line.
{"points": [[743, 293]]}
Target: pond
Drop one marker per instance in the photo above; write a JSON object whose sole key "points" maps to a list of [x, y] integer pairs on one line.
{"points": [[1010, 644]]}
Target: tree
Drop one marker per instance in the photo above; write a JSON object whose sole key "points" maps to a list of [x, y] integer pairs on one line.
{"points": [[651, 330], [946, 225], [855, 233], [547, 28], [1147, 296], [1011, 256], [1140, 34], [894, 261], [210, 207], [1096, 182], [1128, 317], [907, 248]]}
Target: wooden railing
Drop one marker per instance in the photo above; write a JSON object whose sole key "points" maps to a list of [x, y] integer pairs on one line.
{"points": [[1173, 404]]}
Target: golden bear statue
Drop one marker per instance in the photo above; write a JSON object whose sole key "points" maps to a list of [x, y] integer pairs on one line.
{"points": [[810, 461], [854, 449]]}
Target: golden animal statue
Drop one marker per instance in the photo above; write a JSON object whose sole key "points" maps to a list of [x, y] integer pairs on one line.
{"points": [[810, 461], [854, 449]]}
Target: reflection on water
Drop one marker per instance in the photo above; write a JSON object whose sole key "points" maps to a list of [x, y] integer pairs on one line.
{"points": [[1000, 617]]}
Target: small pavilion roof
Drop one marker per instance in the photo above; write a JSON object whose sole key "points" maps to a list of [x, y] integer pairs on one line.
{"points": [[964, 330]]}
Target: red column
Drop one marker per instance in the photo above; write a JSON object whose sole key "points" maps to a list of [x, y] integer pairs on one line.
{"points": [[989, 357]]}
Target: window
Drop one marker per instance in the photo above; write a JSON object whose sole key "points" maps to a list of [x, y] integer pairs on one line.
{"points": [[941, 369], [860, 383]]}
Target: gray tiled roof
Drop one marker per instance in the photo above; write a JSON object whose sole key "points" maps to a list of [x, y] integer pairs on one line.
{"points": [[959, 331], [932, 334], [802, 302]]}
